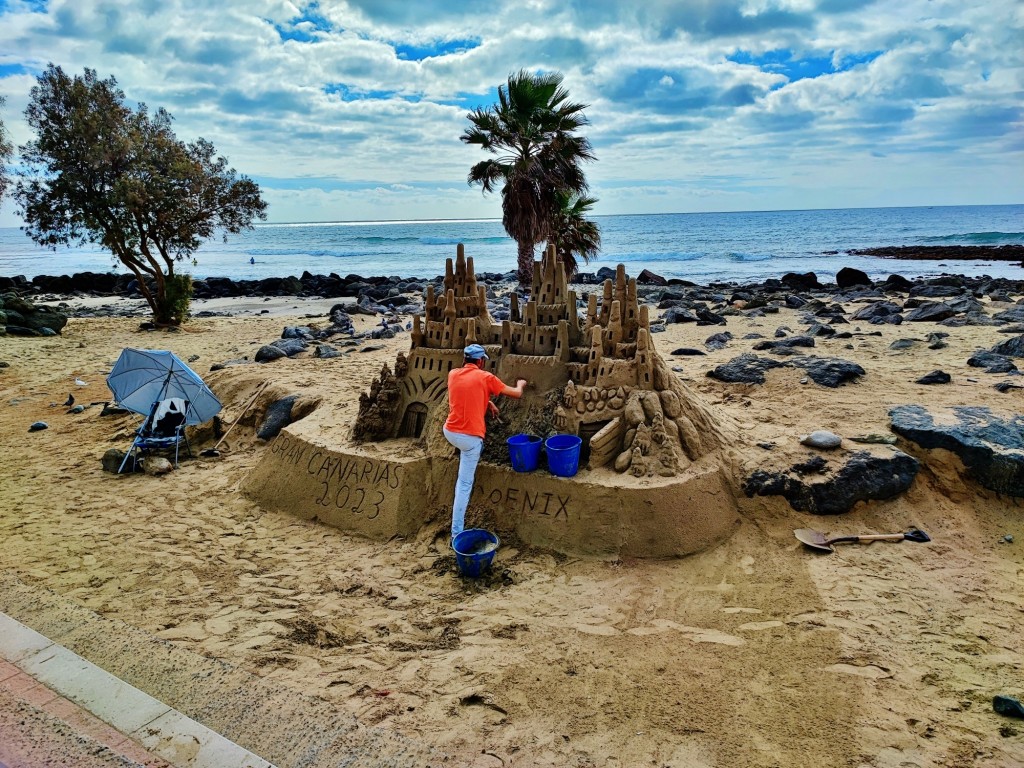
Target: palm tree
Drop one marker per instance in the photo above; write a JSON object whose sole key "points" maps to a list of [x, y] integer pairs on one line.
{"points": [[532, 133], [572, 233]]}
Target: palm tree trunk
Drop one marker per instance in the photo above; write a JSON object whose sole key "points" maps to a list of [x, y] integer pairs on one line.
{"points": [[525, 263]]}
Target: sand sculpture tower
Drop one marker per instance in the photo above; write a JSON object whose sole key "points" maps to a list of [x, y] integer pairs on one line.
{"points": [[616, 391]]}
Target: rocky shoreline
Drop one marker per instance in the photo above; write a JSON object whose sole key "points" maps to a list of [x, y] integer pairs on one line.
{"points": [[953, 252], [385, 289]]}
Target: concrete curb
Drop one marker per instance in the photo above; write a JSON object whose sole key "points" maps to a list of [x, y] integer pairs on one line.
{"points": [[163, 731]]}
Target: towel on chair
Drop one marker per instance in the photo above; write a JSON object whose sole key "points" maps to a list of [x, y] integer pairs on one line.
{"points": [[168, 416]]}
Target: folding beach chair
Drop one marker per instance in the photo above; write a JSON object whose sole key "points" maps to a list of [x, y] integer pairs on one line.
{"points": [[162, 430]]}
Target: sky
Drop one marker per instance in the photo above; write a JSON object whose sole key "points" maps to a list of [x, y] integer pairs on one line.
{"points": [[347, 111]]}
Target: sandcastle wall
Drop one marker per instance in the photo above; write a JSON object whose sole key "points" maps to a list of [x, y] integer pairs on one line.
{"points": [[382, 496]]}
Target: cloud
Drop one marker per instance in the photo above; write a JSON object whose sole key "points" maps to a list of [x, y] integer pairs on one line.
{"points": [[361, 103]]}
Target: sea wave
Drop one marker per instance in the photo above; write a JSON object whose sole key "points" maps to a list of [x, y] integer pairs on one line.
{"points": [[645, 256], [310, 252], [978, 238], [749, 257], [463, 240]]}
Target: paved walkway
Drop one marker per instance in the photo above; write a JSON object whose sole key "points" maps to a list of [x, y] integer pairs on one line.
{"points": [[58, 709]]}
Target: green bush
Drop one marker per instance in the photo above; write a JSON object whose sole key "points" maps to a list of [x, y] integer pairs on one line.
{"points": [[177, 299]]}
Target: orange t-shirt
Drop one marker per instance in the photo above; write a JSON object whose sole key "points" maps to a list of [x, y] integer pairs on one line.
{"points": [[469, 389]]}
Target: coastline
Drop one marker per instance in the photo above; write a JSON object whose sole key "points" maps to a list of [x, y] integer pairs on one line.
{"points": [[87, 293]]}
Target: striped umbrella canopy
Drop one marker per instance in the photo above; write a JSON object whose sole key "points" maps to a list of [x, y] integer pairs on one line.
{"points": [[142, 377]]}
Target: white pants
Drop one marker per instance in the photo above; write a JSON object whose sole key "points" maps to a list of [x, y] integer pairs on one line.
{"points": [[470, 447]]}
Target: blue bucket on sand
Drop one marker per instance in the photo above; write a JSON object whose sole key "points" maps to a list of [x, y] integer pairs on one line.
{"points": [[524, 451], [474, 551], [563, 454]]}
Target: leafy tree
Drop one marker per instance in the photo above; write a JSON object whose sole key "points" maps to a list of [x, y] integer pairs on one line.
{"points": [[102, 172], [532, 133], [572, 233], [6, 151]]}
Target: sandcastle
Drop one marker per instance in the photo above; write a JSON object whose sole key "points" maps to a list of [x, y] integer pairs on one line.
{"points": [[657, 477]]}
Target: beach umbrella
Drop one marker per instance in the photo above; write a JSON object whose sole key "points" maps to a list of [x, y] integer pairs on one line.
{"points": [[142, 377]]}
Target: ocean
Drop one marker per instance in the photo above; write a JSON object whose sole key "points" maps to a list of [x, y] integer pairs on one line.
{"points": [[701, 247]]}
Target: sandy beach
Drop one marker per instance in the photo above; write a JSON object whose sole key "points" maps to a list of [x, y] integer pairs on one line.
{"points": [[754, 653]]}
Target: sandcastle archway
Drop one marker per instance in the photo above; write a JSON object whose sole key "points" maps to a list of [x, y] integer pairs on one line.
{"points": [[658, 478]]}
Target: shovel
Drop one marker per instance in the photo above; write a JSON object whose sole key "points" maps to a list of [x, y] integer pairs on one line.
{"points": [[213, 451], [818, 540]]}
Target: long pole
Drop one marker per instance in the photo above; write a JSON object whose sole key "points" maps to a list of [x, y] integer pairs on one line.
{"points": [[239, 418]]}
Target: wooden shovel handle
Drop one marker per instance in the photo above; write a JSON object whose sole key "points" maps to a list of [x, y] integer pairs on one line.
{"points": [[867, 539], [248, 405]]}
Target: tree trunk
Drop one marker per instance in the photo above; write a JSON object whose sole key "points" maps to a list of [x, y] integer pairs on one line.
{"points": [[525, 268]]}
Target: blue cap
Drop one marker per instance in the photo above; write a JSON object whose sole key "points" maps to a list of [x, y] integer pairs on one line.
{"points": [[475, 352]]}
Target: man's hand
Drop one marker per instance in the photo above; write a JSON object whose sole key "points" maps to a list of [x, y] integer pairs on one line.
{"points": [[521, 384], [492, 409]]}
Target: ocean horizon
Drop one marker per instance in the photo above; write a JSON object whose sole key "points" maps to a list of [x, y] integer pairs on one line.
{"points": [[740, 246]]}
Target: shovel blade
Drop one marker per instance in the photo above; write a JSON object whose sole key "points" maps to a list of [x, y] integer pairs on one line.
{"points": [[814, 539]]}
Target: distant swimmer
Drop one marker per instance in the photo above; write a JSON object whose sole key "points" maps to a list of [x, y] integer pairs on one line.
{"points": [[252, 259]]}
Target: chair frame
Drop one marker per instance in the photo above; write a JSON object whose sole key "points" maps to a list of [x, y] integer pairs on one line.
{"points": [[141, 444]]}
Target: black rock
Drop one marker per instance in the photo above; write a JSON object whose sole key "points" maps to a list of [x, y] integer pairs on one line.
{"points": [[646, 277], [268, 353], [813, 466], [718, 340], [877, 310], [829, 371], [1011, 347], [290, 347], [991, 447], [745, 369], [1008, 706], [865, 477], [936, 291], [112, 460], [278, 416], [297, 332], [991, 362], [818, 329], [38, 426], [898, 283], [935, 377], [707, 317], [679, 315], [793, 341], [847, 277], [326, 351], [1015, 315], [801, 282], [929, 312], [903, 344], [687, 351]]}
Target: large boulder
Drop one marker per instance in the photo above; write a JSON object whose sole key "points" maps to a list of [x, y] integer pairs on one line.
{"points": [[847, 277], [26, 315], [991, 447], [744, 369], [864, 477], [829, 371]]}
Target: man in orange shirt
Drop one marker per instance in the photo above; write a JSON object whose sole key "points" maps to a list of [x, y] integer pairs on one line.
{"points": [[470, 389]]}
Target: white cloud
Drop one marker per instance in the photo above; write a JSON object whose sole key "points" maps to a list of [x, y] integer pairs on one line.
{"points": [[694, 104]]}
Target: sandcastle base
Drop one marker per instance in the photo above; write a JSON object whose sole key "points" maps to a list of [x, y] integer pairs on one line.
{"points": [[363, 490]]}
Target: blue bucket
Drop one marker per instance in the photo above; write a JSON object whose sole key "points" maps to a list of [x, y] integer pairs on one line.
{"points": [[474, 551], [524, 451], [563, 454]]}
